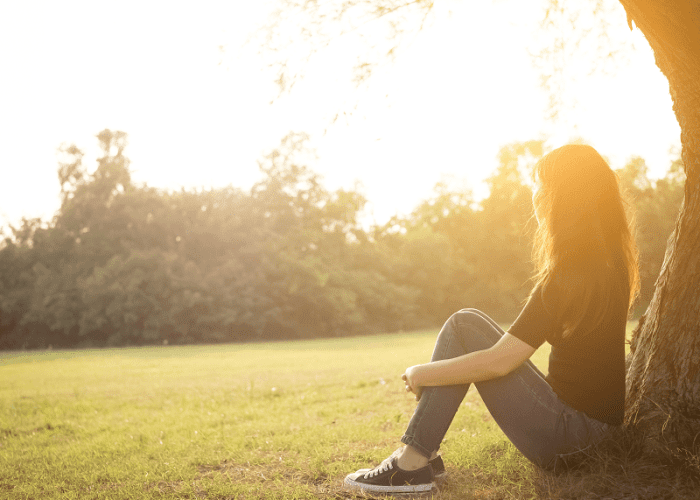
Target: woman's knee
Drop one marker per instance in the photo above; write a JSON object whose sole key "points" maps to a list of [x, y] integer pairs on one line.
{"points": [[470, 323], [471, 317], [480, 313], [465, 331]]}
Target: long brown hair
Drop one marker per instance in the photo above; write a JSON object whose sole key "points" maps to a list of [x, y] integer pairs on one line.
{"points": [[585, 241]]}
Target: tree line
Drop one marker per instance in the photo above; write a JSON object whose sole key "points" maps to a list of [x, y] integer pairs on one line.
{"points": [[127, 264]]}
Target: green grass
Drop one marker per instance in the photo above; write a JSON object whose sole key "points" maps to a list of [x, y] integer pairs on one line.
{"points": [[273, 420]]}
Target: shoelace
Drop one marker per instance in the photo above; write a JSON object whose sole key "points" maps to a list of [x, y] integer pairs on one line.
{"points": [[381, 468], [396, 453]]}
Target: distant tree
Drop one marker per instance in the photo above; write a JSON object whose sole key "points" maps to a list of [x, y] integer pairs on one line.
{"points": [[655, 205], [125, 264], [460, 253], [317, 273], [441, 247], [86, 232], [18, 257], [508, 225]]}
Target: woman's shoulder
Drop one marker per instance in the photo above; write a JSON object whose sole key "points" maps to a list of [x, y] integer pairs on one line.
{"points": [[560, 283], [583, 275]]}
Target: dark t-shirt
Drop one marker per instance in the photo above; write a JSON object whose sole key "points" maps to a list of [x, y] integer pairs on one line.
{"points": [[586, 371]]}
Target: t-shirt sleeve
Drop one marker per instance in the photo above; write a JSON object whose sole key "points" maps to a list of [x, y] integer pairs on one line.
{"points": [[534, 323]]}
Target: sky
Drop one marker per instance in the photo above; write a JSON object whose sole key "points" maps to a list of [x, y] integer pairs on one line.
{"points": [[200, 106]]}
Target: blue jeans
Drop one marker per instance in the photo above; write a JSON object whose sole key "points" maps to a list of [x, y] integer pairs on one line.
{"points": [[544, 428]]}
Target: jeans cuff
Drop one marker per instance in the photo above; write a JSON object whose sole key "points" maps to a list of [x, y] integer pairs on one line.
{"points": [[411, 441]]}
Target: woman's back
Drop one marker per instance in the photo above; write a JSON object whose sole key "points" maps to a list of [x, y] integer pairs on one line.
{"points": [[587, 367]]}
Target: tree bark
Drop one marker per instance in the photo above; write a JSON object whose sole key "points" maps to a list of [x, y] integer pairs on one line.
{"points": [[663, 380]]}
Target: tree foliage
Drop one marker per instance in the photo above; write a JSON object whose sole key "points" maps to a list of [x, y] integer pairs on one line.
{"points": [[127, 264]]}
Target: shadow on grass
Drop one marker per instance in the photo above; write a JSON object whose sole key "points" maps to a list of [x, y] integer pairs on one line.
{"points": [[619, 468]]}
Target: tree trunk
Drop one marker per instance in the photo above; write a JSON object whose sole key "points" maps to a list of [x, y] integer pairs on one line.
{"points": [[663, 380]]}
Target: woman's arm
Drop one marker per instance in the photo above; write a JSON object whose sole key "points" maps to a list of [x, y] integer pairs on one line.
{"points": [[505, 356]]}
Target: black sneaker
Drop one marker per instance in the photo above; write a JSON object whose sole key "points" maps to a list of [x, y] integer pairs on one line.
{"points": [[437, 464], [438, 467], [387, 477]]}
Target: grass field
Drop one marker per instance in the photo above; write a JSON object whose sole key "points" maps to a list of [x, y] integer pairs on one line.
{"points": [[275, 420]]}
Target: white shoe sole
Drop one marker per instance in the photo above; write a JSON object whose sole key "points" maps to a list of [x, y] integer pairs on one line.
{"points": [[408, 488]]}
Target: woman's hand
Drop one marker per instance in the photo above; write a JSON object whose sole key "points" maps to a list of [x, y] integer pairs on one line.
{"points": [[411, 379]]}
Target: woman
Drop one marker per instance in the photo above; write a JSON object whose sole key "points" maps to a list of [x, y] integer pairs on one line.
{"points": [[586, 280]]}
